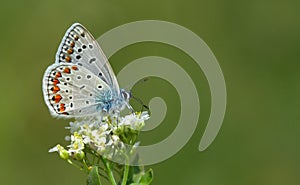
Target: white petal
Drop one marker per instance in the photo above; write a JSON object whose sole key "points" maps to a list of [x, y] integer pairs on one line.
{"points": [[54, 149]]}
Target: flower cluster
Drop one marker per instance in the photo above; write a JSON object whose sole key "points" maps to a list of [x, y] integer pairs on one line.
{"points": [[104, 135], [110, 139]]}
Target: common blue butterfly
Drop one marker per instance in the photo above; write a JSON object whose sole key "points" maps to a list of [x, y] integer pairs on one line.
{"points": [[81, 82]]}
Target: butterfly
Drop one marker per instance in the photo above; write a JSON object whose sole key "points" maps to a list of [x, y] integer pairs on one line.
{"points": [[81, 82]]}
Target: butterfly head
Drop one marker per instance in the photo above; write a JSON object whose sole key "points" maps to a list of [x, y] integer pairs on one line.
{"points": [[126, 95], [121, 102]]}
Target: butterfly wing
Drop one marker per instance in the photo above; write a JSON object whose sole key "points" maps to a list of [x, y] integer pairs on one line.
{"points": [[79, 47], [71, 90]]}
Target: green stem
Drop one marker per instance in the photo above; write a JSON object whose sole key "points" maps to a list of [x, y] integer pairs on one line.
{"points": [[109, 171], [85, 165], [125, 174], [73, 164]]}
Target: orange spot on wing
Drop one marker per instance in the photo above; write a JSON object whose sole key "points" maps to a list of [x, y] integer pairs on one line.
{"points": [[70, 50], [56, 98], [58, 74], [72, 44], [68, 58], [75, 68], [55, 81], [62, 107], [76, 37], [67, 70], [55, 89]]}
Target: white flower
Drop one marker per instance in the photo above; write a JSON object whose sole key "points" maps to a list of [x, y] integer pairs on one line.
{"points": [[54, 149], [107, 136], [134, 121], [77, 144]]}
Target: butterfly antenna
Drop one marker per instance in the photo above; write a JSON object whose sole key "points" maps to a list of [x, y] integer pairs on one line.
{"points": [[142, 104]]}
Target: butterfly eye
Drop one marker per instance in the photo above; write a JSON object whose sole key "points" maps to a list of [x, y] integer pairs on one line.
{"points": [[126, 95]]}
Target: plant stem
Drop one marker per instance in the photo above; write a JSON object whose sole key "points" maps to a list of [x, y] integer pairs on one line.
{"points": [[77, 166], [125, 174], [109, 171]]}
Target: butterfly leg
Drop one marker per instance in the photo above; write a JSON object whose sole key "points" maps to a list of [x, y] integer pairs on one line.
{"points": [[115, 114], [130, 107]]}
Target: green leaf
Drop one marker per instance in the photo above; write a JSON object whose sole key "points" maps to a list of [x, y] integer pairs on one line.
{"points": [[138, 176], [134, 174], [147, 177], [143, 178], [93, 177]]}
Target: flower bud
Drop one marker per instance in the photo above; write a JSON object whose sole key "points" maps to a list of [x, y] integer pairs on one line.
{"points": [[63, 153], [90, 168], [79, 155]]}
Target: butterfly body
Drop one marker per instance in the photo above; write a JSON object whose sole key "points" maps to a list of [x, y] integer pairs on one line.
{"points": [[81, 82]]}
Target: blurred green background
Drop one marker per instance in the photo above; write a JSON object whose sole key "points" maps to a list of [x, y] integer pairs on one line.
{"points": [[256, 43]]}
